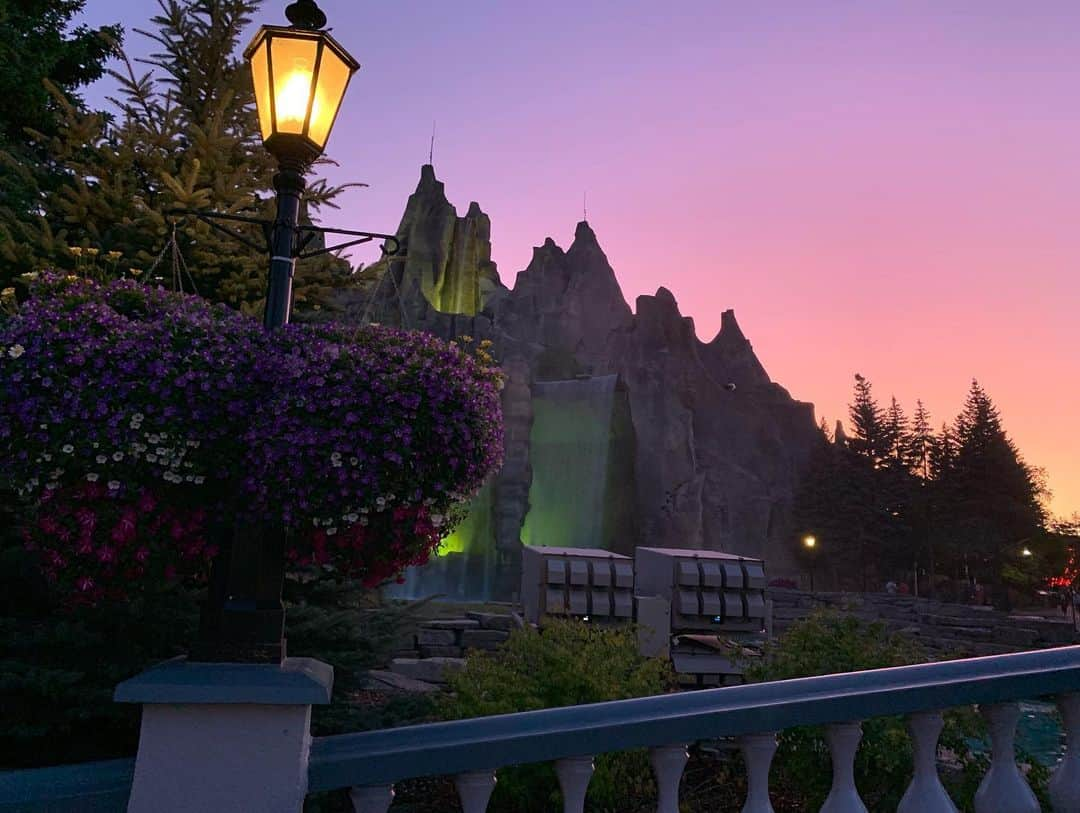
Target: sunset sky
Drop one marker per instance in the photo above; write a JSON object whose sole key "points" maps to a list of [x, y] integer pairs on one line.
{"points": [[884, 188]]}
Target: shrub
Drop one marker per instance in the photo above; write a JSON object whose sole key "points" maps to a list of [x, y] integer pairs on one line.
{"points": [[828, 643], [364, 443], [566, 664]]}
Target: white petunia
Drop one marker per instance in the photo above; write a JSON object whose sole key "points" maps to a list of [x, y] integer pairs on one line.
{"points": [[101, 459], [114, 485], [16, 350], [91, 478], [118, 456], [67, 448]]}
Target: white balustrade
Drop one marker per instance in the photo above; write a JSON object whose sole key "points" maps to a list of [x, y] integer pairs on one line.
{"points": [[926, 794], [372, 799], [1065, 783], [757, 751], [574, 774], [843, 740], [1004, 789], [668, 762], [474, 789]]}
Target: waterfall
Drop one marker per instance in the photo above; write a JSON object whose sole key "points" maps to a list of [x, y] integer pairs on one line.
{"points": [[569, 451], [464, 567]]}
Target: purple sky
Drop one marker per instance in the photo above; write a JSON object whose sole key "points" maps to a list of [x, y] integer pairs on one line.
{"points": [[884, 188]]}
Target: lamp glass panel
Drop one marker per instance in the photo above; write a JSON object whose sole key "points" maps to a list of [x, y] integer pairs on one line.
{"points": [[293, 61], [260, 78], [334, 75]]}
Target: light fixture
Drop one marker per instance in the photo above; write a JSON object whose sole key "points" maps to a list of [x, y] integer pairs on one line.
{"points": [[300, 74]]}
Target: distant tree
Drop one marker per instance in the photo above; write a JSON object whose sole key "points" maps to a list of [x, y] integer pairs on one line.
{"points": [[896, 430], [919, 453], [920, 443], [185, 135], [40, 50], [869, 436], [993, 496]]}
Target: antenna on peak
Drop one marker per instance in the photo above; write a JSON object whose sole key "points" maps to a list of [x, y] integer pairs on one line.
{"points": [[584, 206], [431, 150]]}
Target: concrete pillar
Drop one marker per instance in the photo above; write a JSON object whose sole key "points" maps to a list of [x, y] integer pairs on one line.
{"points": [[224, 736]]}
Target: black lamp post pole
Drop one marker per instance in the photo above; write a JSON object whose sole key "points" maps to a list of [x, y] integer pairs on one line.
{"points": [[244, 619], [289, 184]]}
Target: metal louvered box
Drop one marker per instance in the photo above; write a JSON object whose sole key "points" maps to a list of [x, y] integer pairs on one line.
{"points": [[576, 582], [708, 591]]}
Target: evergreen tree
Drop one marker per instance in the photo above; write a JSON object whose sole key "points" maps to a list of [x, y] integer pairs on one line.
{"points": [[39, 46], [920, 443], [993, 495], [185, 136], [896, 435], [869, 435]]}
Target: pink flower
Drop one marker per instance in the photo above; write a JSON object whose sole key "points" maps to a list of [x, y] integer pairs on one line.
{"points": [[142, 554], [124, 530], [146, 503], [84, 584], [87, 519], [106, 554]]}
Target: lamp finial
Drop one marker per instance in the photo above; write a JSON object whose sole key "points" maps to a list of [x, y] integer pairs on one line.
{"points": [[305, 14]]}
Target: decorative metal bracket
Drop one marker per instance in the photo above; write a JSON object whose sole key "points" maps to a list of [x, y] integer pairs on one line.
{"points": [[305, 234]]}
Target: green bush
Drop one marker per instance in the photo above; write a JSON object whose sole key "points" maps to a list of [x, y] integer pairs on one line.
{"points": [[566, 664], [828, 643]]}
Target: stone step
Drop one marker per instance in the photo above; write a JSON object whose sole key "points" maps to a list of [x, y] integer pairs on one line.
{"points": [[430, 670], [451, 624], [398, 681], [493, 621]]}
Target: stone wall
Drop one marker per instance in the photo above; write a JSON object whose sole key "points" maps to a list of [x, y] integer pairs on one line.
{"points": [[943, 629]]}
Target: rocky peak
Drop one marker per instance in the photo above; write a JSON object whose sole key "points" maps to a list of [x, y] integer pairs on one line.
{"points": [[730, 357]]}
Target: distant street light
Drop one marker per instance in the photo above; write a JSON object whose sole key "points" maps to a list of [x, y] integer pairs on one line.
{"points": [[810, 543], [1026, 552]]}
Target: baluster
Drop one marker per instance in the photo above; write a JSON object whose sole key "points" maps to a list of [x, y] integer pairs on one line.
{"points": [[925, 794], [1065, 783], [757, 751], [668, 762], [1003, 789], [843, 740], [574, 774], [372, 799], [474, 789]]}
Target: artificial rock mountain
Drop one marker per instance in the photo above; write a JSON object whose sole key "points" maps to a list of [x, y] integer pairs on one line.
{"points": [[706, 449]]}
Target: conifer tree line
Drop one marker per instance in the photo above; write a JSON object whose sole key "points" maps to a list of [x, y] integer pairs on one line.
{"points": [[959, 505], [78, 186]]}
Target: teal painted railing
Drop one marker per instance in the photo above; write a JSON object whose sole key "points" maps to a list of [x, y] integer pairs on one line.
{"points": [[371, 762], [92, 787], [473, 750]]}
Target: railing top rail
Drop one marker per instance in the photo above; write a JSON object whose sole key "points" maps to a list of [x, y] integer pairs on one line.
{"points": [[89, 787], [380, 757]]}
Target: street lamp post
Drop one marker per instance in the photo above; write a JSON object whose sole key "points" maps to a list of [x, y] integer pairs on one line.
{"points": [[300, 75], [810, 543]]}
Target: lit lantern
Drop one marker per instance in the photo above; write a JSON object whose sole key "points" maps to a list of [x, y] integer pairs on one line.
{"points": [[300, 75]]}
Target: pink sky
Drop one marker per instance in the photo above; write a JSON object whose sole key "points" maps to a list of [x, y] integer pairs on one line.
{"points": [[885, 191]]}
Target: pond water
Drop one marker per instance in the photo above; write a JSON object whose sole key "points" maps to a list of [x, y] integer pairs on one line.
{"points": [[1039, 733]]}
